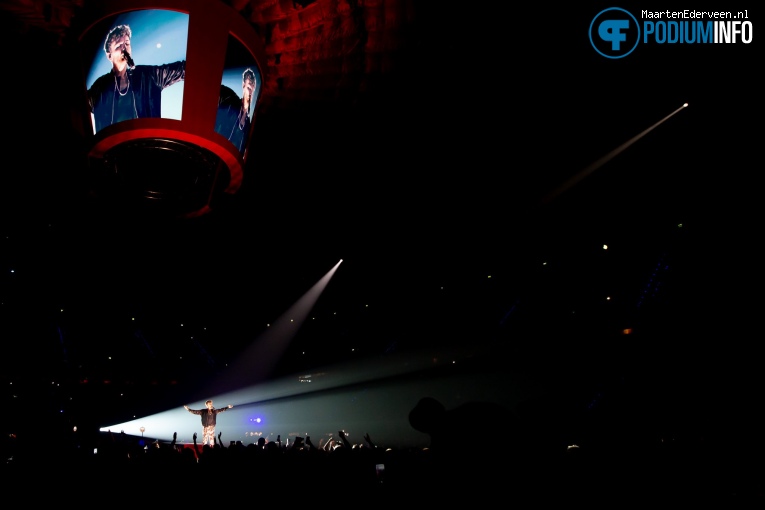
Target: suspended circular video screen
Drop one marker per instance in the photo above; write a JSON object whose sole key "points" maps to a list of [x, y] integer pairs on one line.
{"points": [[185, 75]]}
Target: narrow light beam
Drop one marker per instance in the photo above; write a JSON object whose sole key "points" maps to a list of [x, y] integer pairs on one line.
{"points": [[605, 159], [256, 363]]}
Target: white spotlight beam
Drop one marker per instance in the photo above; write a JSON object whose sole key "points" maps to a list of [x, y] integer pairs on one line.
{"points": [[256, 363], [605, 159]]}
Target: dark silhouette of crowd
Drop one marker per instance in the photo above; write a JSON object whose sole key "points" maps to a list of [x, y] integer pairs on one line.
{"points": [[526, 463]]}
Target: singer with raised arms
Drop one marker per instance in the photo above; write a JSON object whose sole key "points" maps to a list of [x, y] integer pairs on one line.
{"points": [[129, 91], [209, 418]]}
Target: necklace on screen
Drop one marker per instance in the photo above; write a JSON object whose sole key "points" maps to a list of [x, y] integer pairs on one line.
{"points": [[117, 91], [117, 87]]}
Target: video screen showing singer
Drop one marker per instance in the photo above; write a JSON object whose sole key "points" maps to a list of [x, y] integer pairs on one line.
{"points": [[129, 91]]}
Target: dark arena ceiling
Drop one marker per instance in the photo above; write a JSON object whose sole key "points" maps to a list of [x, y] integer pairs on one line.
{"points": [[469, 170]]}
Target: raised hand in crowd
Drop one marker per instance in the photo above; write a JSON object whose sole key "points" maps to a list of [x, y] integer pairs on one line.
{"points": [[344, 438], [298, 443]]}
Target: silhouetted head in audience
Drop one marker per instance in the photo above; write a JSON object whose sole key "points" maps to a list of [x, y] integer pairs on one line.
{"points": [[445, 427], [426, 415]]}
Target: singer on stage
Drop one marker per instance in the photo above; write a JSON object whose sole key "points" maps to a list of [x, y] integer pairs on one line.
{"points": [[209, 419], [129, 91]]}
